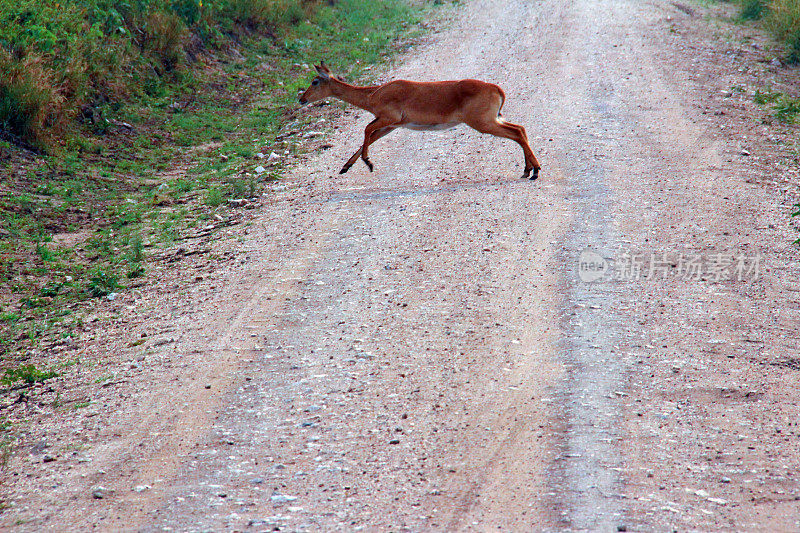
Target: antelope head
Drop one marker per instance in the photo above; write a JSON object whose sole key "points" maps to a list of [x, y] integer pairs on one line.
{"points": [[320, 86]]}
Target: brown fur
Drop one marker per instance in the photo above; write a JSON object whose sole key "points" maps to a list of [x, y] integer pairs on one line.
{"points": [[399, 103]]}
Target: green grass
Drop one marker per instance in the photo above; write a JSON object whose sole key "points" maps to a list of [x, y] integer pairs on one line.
{"points": [[765, 97], [785, 108], [102, 282], [796, 213], [753, 9], [28, 374], [779, 17], [59, 55]]}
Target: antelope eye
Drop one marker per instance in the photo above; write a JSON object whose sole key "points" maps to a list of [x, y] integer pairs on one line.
{"points": [[315, 82]]}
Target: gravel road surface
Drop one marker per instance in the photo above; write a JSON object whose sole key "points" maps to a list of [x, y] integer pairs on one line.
{"points": [[424, 347]]}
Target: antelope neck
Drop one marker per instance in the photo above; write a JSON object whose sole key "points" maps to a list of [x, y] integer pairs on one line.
{"points": [[357, 96]]}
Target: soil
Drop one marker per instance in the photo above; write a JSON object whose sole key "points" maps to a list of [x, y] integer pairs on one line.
{"points": [[423, 348]]}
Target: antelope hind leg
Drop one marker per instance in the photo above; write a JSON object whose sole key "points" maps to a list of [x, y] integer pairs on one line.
{"points": [[515, 132]]}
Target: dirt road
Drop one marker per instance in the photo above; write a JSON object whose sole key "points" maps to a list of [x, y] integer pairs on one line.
{"points": [[415, 349]]}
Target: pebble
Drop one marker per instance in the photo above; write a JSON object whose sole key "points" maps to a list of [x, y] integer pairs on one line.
{"points": [[238, 202], [280, 499], [100, 492], [141, 488]]}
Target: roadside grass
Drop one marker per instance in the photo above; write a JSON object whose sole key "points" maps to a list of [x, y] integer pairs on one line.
{"points": [[88, 219], [781, 18], [785, 108], [796, 213], [7, 441], [753, 9], [27, 374], [783, 21]]}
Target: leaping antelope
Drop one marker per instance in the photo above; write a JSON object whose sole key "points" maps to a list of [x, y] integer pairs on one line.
{"points": [[423, 106]]}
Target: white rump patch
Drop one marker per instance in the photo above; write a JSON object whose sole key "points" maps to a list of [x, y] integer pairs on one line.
{"points": [[430, 127]]}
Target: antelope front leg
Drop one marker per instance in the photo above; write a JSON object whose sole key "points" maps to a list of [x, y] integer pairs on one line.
{"points": [[375, 136], [369, 136], [350, 162]]}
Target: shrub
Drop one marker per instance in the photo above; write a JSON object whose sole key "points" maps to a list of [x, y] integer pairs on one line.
{"points": [[267, 12], [165, 34], [58, 57], [783, 21], [792, 51], [29, 101], [753, 9]]}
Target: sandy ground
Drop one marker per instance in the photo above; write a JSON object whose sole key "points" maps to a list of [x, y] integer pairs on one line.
{"points": [[419, 348]]}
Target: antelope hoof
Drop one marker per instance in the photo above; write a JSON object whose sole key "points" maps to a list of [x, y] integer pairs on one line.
{"points": [[535, 174], [344, 169], [369, 164]]}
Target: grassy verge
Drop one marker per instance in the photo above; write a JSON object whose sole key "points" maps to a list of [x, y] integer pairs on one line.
{"points": [[781, 18], [785, 108], [127, 175]]}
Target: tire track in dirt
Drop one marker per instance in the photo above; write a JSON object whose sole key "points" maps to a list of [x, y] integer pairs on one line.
{"points": [[216, 369]]}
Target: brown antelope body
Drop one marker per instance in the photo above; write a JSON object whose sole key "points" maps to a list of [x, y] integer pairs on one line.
{"points": [[425, 106]]}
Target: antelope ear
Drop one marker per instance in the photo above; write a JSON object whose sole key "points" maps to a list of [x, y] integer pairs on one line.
{"points": [[323, 70]]}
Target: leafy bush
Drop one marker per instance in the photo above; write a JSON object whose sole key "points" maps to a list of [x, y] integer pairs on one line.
{"points": [[165, 35], [29, 100], [783, 21], [267, 12], [58, 57], [753, 9], [792, 52]]}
